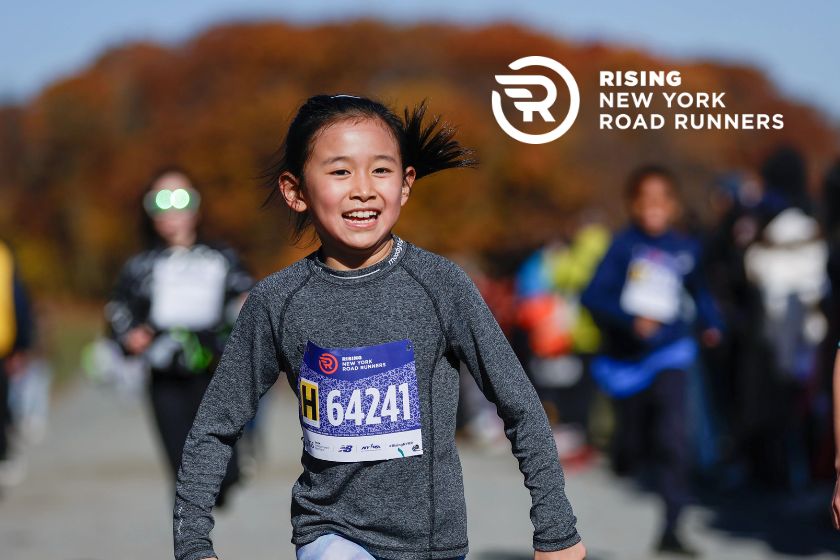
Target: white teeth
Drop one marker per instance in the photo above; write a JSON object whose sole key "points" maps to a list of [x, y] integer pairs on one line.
{"points": [[362, 214]]}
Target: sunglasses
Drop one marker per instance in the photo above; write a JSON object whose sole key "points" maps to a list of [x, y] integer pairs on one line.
{"points": [[166, 200]]}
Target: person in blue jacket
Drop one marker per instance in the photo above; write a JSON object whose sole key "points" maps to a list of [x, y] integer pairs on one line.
{"points": [[640, 297]]}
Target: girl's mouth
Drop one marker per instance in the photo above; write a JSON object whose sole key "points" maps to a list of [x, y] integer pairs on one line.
{"points": [[360, 218]]}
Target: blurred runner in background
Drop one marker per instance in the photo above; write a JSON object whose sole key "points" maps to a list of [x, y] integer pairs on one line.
{"points": [[16, 335], [767, 259], [174, 304], [787, 265], [560, 334], [736, 368], [638, 299]]}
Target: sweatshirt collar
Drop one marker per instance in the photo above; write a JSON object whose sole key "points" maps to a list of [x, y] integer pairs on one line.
{"points": [[356, 275]]}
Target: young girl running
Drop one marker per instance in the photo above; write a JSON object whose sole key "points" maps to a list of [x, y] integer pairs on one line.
{"points": [[369, 331]]}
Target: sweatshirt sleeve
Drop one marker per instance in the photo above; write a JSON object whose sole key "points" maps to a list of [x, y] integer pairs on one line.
{"points": [[249, 366], [478, 341], [128, 306]]}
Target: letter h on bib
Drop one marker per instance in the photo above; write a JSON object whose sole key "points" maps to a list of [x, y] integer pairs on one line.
{"points": [[309, 401]]}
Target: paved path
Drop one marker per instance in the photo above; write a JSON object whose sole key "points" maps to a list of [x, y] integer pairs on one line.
{"points": [[95, 490]]}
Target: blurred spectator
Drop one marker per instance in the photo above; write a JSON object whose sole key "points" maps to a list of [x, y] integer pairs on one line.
{"points": [[767, 261], [174, 305], [787, 262], [637, 298], [559, 333], [16, 337], [787, 265], [735, 368]]}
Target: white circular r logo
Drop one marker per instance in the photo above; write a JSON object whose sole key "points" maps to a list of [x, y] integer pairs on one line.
{"points": [[528, 108]]}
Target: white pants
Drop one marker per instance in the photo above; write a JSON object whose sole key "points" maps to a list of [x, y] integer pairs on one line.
{"points": [[332, 547], [335, 547]]}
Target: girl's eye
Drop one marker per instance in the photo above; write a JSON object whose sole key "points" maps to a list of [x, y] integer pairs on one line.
{"points": [[340, 172], [381, 170]]}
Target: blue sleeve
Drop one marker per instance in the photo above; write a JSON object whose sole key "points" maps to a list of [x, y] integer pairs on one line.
{"points": [[603, 294], [708, 314]]}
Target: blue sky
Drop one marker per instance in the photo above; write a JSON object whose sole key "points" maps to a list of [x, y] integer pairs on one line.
{"points": [[796, 43]]}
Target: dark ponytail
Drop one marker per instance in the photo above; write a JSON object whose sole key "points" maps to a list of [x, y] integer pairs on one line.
{"points": [[426, 147], [432, 148]]}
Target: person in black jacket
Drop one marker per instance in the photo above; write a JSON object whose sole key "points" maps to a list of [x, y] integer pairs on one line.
{"points": [[174, 304]]}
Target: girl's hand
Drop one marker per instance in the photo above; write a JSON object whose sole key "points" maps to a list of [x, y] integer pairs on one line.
{"points": [[710, 338], [835, 504], [16, 363], [644, 327], [138, 339], [577, 552]]}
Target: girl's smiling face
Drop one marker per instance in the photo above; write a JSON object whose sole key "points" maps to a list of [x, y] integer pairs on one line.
{"points": [[353, 187]]}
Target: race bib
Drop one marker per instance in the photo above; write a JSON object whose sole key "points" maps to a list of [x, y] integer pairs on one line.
{"points": [[360, 404], [653, 288], [188, 289]]}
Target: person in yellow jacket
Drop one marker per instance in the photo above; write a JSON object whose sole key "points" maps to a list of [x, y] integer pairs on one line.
{"points": [[15, 339]]}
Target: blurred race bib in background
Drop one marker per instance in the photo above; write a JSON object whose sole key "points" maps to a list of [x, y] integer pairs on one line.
{"points": [[188, 290], [653, 288]]}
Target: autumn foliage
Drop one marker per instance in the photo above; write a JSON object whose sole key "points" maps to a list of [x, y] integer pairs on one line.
{"points": [[75, 158]]}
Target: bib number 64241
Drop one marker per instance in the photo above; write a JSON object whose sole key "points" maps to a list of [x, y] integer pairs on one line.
{"points": [[393, 408]]}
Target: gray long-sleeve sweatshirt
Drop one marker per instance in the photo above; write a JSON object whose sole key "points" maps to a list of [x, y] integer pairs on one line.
{"points": [[373, 356]]}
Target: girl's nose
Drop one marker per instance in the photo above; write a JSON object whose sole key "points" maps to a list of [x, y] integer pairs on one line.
{"points": [[363, 190]]}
